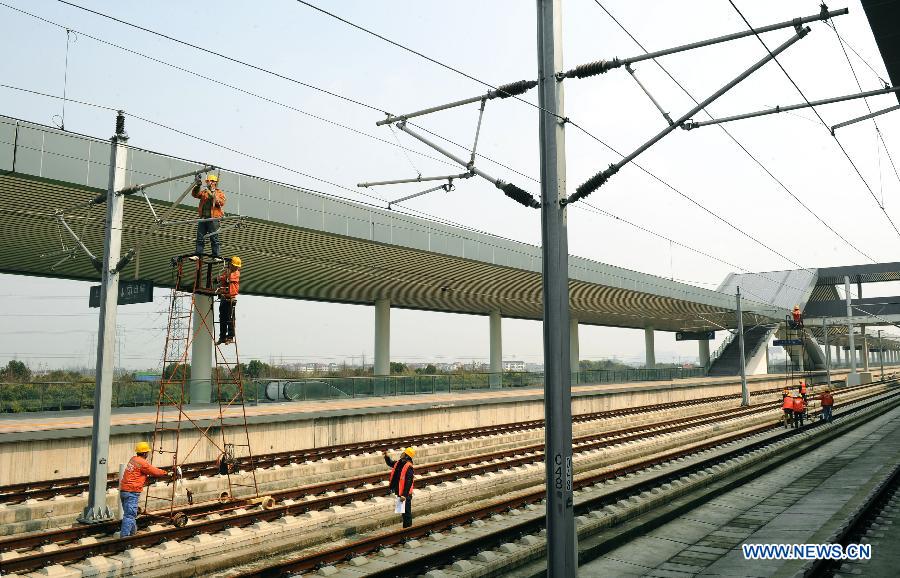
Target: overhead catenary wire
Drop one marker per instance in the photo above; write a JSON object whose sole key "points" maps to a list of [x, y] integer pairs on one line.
{"points": [[874, 122], [825, 124], [735, 140], [314, 87]]}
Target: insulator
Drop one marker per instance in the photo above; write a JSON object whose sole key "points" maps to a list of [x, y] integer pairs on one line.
{"points": [[120, 123], [519, 196], [593, 183], [595, 68], [513, 88]]}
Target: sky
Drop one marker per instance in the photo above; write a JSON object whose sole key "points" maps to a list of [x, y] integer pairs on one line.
{"points": [[701, 174]]}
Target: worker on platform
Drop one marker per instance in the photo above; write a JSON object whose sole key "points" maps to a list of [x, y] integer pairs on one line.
{"points": [[229, 285], [803, 390], [797, 316], [827, 405], [401, 481], [787, 404], [212, 199], [132, 484], [799, 410]]}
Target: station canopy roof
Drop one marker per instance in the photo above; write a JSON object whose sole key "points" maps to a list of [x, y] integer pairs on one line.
{"points": [[302, 244]]}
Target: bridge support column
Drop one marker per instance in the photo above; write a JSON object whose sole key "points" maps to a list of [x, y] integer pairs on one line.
{"points": [[382, 338], [650, 348], [202, 349], [864, 352], [703, 346], [496, 337], [574, 365], [837, 353]]}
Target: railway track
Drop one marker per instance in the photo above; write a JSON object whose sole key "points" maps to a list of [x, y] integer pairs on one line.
{"points": [[354, 489], [311, 499], [73, 486], [533, 525]]}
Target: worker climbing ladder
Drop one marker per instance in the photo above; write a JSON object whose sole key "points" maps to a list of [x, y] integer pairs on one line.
{"points": [[795, 376], [186, 433]]}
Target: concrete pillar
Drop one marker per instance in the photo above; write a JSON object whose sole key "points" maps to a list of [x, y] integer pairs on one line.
{"points": [[496, 338], [382, 337], [837, 352], [703, 345], [865, 353], [649, 347], [574, 354], [202, 349]]}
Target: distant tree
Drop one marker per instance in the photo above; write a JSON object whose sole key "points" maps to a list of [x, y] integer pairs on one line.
{"points": [[429, 369], [399, 367], [16, 371], [256, 369], [177, 371]]}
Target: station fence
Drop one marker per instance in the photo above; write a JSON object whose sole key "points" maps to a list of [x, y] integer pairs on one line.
{"points": [[61, 395]]}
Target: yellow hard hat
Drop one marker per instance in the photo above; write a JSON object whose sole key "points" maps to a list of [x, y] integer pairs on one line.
{"points": [[236, 261], [796, 307], [141, 447], [212, 177], [411, 452]]}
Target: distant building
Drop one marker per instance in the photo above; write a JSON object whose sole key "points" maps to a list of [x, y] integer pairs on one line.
{"points": [[514, 365]]}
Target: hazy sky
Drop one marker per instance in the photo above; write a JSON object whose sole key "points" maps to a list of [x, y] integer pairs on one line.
{"points": [[48, 320]]}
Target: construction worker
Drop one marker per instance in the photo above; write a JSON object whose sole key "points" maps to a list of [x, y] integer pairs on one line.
{"points": [[799, 410], [803, 390], [229, 285], [787, 404], [212, 199], [401, 481], [827, 405], [132, 484], [797, 316]]}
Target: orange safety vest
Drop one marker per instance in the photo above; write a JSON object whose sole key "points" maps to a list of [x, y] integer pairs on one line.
{"points": [[827, 399], [798, 405], [231, 283], [802, 388], [402, 481], [796, 315], [217, 200], [788, 403], [135, 477]]}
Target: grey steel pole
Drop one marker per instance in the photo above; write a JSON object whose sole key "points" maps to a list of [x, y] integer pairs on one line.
{"points": [[745, 393], [561, 546], [97, 510], [881, 353], [827, 353], [853, 378]]}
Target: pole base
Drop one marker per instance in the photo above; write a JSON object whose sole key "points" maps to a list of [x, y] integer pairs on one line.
{"points": [[96, 515]]}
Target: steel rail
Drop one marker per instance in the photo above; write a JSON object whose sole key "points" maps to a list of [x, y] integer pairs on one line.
{"points": [[529, 454], [17, 493], [80, 551], [422, 564]]}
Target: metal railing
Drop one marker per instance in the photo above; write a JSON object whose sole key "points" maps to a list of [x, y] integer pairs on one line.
{"points": [[59, 396], [721, 349]]}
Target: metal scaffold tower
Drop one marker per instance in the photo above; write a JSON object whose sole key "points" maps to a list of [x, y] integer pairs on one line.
{"points": [[219, 428]]}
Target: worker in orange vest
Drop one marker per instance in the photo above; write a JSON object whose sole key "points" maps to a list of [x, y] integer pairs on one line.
{"points": [[787, 404], [827, 405], [401, 481], [132, 484], [799, 411], [797, 316], [803, 390], [209, 211], [229, 287]]}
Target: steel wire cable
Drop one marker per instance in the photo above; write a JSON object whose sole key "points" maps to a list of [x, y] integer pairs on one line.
{"points": [[866, 101], [825, 124], [715, 215], [736, 141], [367, 106]]}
